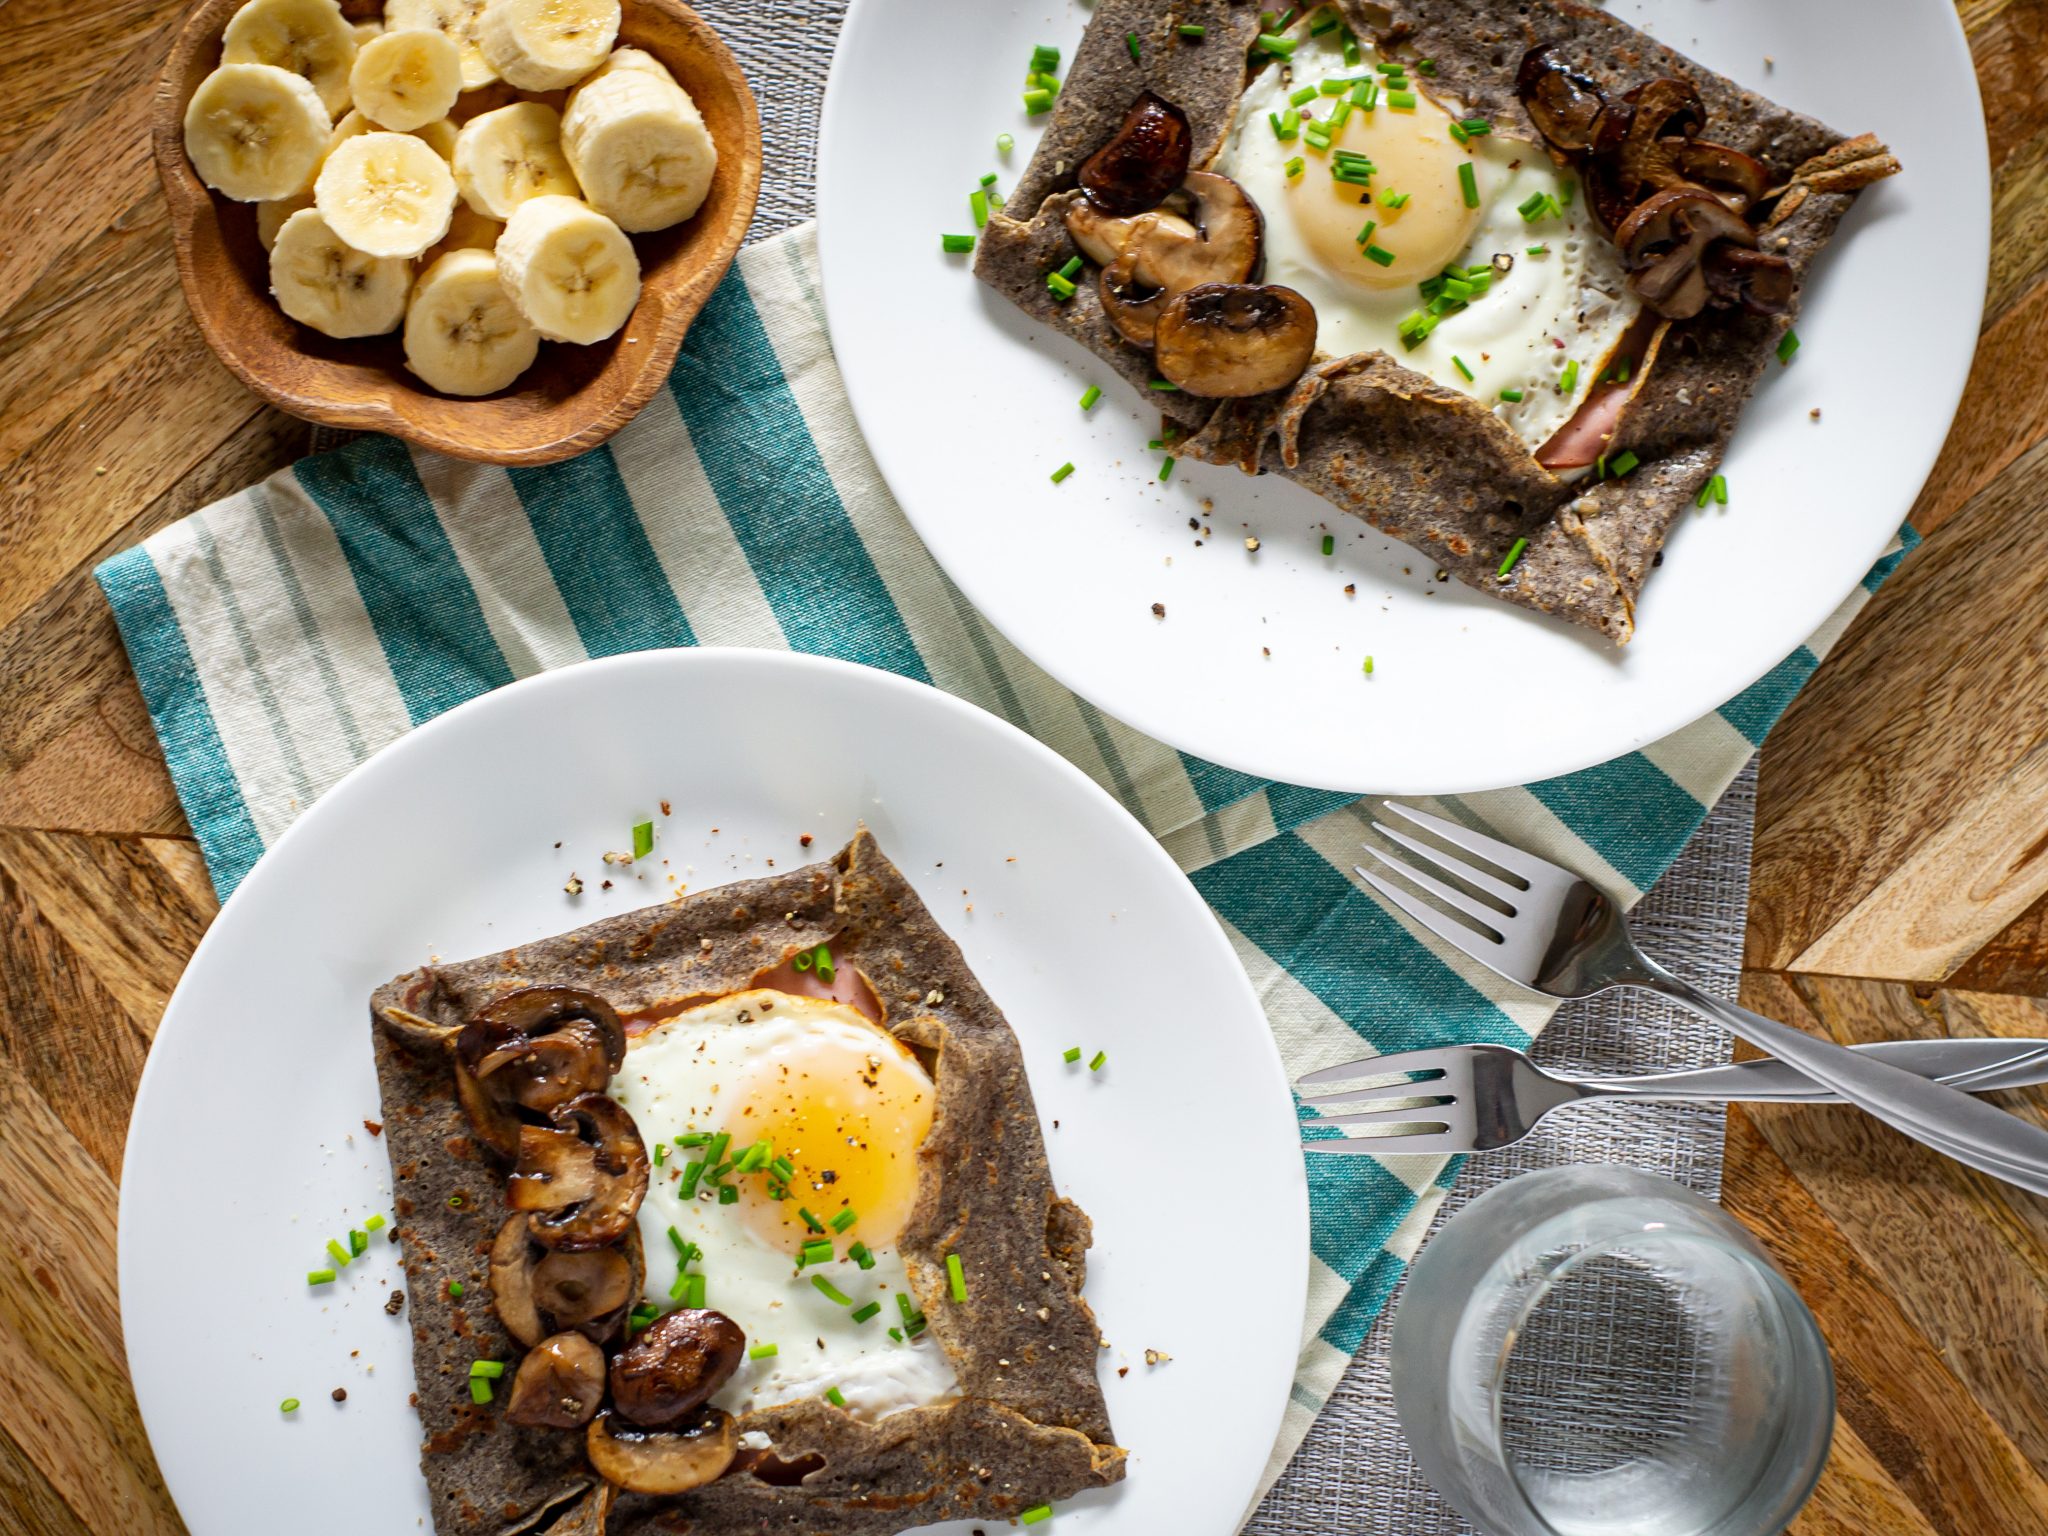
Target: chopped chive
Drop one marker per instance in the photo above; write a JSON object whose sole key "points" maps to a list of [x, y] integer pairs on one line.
{"points": [[1004, 144], [1316, 135], [1476, 126], [319, 1277], [860, 1255], [896, 1334], [715, 1154], [1339, 113], [1035, 1514], [913, 1320], [845, 1219], [1060, 287], [693, 1138], [1468, 183], [1072, 269], [1567, 189], [676, 1241], [1539, 250], [835, 1397], [374, 1223], [339, 1254], [1458, 363], [1286, 125], [1365, 94], [728, 1194], [1293, 166], [1305, 94], [660, 1154], [783, 1168], [1061, 473], [1353, 54], [1379, 254], [1038, 102], [693, 1291], [1332, 87], [1194, 30], [1272, 42], [956, 1277], [1166, 467], [1131, 42], [455, 1290], [809, 1220], [1719, 486], [491, 1369], [1391, 67], [1425, 66], [1788, 346], [956, 245], [1622, 463], [1044, 56], [1097, 1061], [822, 955], [1164, 386], [289, 1405], [1329, 544], [1512, 396], [1514, 554], [1072, 1054], [817, 1251], [1569, 380], [643, 831], [830, 1291], [358, 1242], [762, 1352], [862, 1314], [1401, 101], [1327, 22], [977, 204], [1089, 396], [1391, 199], [479, 1389], [1367, 668], [1365, 234], [692, 1172]]}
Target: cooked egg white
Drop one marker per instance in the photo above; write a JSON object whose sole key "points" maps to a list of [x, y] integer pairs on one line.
{"points": [[1543, 312], [848, 1106]]}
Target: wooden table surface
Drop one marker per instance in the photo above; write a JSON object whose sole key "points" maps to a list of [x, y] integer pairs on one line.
{"points": [[1901, 875]]}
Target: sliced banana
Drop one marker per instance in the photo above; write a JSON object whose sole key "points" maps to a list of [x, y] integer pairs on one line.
{"points": [[406, 79], [505, 157], [255, 132], [440, 137], [386, 194], [638, 144], [571, 270], [307, 37], [468, 230], [457, 18], [542, 45], [270, 216], [321, 281], [463, 334], [365, 30]]}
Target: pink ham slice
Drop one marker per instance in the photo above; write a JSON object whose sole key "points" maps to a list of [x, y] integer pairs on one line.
{"points": [[1580, 442]]}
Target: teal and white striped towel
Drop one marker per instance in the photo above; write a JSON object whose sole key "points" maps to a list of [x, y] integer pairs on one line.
{"points": [[284, 634]]}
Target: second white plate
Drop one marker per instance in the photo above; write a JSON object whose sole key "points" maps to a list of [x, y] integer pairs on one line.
{"points": [[969, 407]]}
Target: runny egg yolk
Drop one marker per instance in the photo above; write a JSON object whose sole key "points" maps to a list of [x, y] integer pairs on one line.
{"points": [[850, 1117], [1412, 154]]}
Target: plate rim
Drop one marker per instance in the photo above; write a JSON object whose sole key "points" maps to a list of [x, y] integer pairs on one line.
{"points": [[1290, 1213], [1647, 724]]}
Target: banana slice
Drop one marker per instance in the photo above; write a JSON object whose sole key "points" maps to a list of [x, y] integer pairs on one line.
{"points": [[468, 230], [270, 216], [457, 18], [386, 194], [571, 270], [320, 281], [439, 135], [365, 30], [255, 132], [505, 157], [637, 144], [463, 334], [306, 37], [542, 45], [405, 80]]}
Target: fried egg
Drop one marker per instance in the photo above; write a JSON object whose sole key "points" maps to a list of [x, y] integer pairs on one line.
{"points": [[844, 1107], [1552, 304]]}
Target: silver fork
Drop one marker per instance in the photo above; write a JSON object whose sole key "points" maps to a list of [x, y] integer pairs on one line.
{"points": [[1479, 1098], [1554, 932]]}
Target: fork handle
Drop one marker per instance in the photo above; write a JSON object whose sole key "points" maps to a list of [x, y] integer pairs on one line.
{"points": [[1980, 1066], [1972, 1132]]}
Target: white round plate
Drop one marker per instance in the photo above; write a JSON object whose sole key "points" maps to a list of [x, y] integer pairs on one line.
{"points": [[248, 1150], [969, 407]]}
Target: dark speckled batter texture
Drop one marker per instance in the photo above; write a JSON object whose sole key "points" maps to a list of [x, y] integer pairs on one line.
{"points": [[1031, 1424], [1430, 466]]}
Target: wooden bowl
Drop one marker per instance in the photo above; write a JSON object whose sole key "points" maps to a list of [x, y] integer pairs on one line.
{"points": [[572, 398]]}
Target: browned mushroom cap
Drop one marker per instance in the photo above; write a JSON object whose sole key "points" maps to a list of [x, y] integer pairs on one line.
{"points": [[583, 1175], [1561, 102], [1762, 282], [536, 1292], [558, 1385], [1658, 109], [512, 1282], [1143, 161], [1741, 181], [1665, 242], [1209, 232], [660, 1461], [670, 1371], [1227, 340], [534, 1049]]}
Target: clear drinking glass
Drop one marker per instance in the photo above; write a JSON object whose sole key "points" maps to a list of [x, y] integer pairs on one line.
{"points": [[1600, 1352]]}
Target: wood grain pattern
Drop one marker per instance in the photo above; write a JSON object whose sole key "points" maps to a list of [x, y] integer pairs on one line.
{"points": [[1901, 865], [572, 398]]}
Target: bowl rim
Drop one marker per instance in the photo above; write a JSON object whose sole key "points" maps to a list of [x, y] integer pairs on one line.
{"points": [[189, 200]]}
